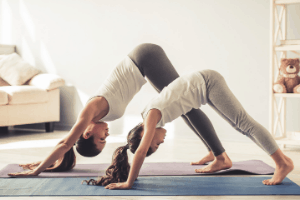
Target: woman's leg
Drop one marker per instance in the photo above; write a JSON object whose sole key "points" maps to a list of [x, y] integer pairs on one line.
{"points": [[222, 100], [155, 65]]}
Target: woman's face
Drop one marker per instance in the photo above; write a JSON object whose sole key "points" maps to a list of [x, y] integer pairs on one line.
{"points": [[100, 131], [159, 137]]}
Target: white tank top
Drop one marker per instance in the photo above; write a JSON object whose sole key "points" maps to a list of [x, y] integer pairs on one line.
{"points": [[179, 97], [120, 87]]}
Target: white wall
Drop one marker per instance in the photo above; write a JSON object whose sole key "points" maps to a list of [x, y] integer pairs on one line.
{"points": [[82, 41]]}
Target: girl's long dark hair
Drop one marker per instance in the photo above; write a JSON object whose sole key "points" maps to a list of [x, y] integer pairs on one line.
{"points": [[119, 169], [63, 164]]}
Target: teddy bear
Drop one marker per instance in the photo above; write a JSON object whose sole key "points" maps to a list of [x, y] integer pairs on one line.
{"points": [[288, 81]]}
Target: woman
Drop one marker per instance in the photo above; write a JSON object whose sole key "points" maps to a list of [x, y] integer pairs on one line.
{"points": [[183, 94], [90, 132]]}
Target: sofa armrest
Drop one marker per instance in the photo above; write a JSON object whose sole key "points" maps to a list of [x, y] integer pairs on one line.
{"points": [[3, 97], [47, 81]]}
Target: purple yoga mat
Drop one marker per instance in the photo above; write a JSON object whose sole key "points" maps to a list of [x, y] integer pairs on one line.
{"points": [[257, 167]]}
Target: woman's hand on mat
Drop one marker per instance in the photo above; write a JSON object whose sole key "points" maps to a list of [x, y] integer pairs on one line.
{"points": [[30, 165], [25, 173], [120, 186]]}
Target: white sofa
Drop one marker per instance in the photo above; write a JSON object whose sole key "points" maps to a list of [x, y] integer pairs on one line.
{"points": [[35, 101]]}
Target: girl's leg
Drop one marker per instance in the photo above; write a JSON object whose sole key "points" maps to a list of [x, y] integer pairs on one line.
{"points": [[155, 65], [222, 100]]}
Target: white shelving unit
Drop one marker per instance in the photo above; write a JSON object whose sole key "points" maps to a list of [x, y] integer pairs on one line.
{"points": [[279, 48]]}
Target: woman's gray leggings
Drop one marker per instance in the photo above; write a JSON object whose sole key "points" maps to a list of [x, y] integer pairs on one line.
{"points": [[153, 63], [222, 100]]}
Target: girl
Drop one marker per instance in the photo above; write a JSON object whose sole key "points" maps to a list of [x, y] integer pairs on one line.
{"points": [[183, 94], [146, 60]]}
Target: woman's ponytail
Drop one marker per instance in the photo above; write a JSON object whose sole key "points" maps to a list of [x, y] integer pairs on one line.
{"points": [[63, 164], [118, 170]]}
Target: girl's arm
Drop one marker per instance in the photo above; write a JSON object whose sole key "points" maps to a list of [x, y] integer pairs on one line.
{"points": [[91, 112], [151, 120]]}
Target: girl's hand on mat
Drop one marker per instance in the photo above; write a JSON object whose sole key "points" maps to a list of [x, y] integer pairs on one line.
{"points": [[25, 173], [120, 186]]}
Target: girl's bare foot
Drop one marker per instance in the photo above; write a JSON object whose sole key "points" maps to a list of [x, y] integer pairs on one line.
{"points": [[209, 157], [283, 167], [221, 162]]}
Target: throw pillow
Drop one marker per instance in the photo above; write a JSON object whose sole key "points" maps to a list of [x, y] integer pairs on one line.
{"points": [[15, 71]]}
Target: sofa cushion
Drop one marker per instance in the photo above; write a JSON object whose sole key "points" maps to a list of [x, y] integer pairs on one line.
{"points": [[3, 97], [7, 48], [47, 81], [25, 94], [15, 71]]}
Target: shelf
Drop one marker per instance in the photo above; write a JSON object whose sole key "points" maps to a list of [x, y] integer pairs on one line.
{"points": [[278, 109], [288, 48], [290, 42], [280, 2], [286, 95]]}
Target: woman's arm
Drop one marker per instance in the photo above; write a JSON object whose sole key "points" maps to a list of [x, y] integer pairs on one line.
{"points": [[151, 120], [95, 109]]}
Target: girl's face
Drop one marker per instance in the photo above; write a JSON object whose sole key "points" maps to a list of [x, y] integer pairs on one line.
{"points": [[159, 137]]}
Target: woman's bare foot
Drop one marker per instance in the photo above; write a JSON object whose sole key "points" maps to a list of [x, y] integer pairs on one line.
{"points": [[283, 167], [209, 157], [221, 162]]}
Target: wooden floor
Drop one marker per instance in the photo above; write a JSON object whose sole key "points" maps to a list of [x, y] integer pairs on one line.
{"points": [[23, 146]]}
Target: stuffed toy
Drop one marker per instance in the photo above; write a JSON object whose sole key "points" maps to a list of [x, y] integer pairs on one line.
{"points": [[288, 81]]}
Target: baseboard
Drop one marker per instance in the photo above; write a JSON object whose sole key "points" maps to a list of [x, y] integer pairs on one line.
{"points": [[63, 126], [293, 135], [57, 126]]}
